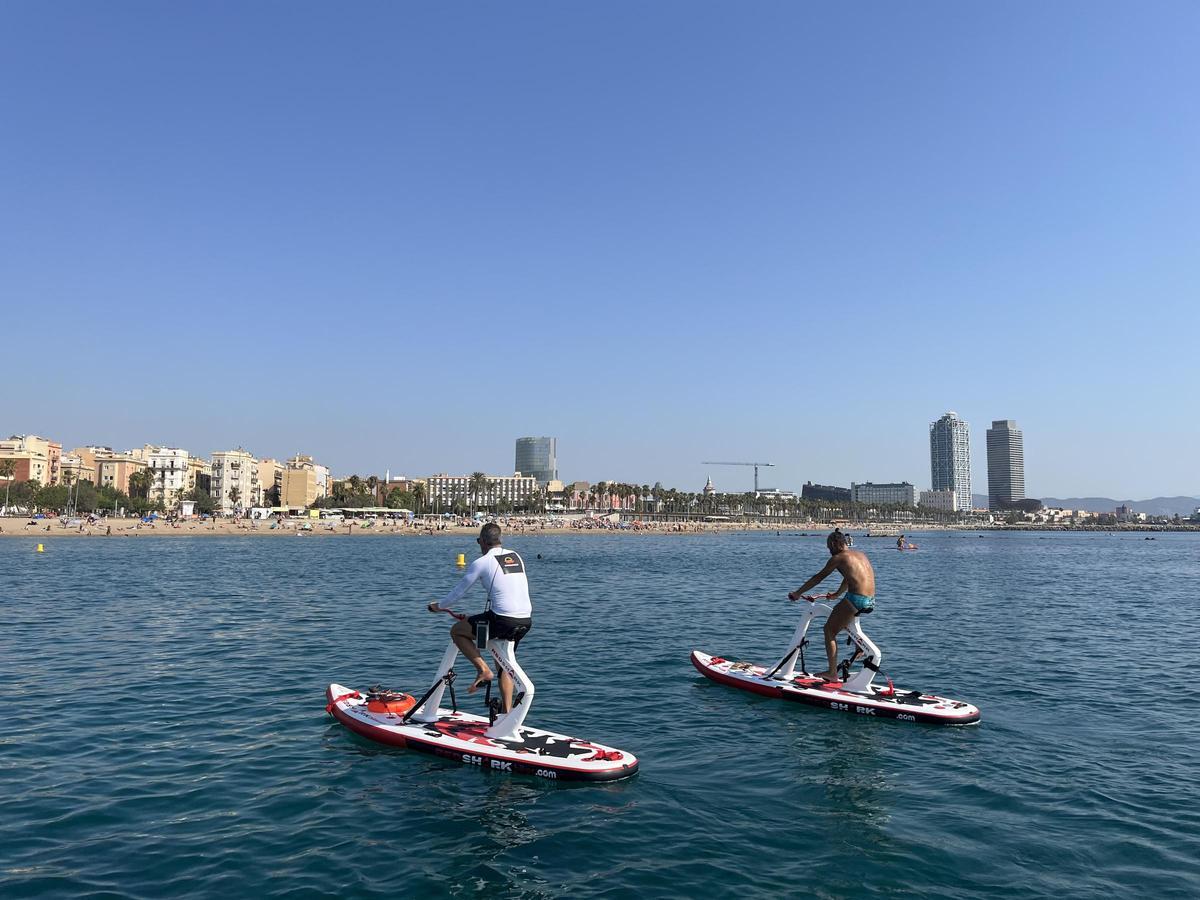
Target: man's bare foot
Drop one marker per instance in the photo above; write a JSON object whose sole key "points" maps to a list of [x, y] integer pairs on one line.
{"points": [[828, 676], [481, 679]]}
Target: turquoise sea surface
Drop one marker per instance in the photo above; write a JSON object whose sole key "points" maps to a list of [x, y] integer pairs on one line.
{"points": [[165, 734]]}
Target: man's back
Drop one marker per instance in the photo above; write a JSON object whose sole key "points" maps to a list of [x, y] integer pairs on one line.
{"points": [[506, 582], [856, 569]]}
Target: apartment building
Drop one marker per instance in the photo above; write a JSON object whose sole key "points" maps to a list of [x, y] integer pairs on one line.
{"points": [[300, 487], [37, 458], [114, 469], [234, 475], [173, 474], [270, 483], [30, 463], [75, 468]]}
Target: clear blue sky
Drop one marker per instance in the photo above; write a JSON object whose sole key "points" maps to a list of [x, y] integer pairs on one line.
{"points": [[401, 235]]}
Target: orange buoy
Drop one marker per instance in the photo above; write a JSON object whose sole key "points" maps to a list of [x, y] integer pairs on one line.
{"points": [[392, 702]]}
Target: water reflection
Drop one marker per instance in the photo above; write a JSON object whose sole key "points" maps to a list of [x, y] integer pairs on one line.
{"points": [[848, 763]]}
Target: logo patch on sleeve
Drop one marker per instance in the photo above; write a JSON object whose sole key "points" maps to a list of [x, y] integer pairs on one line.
{"points": [[510, 563]]}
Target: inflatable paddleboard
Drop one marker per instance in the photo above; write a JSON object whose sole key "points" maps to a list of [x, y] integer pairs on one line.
{"points": [[883, 703], [460, 737]]}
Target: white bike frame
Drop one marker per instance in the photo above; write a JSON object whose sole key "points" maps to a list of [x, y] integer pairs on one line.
{"points": [[860, 681], [507, 727]]}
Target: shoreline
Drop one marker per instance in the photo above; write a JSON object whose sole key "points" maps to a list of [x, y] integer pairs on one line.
{"points": [[17, 527]]}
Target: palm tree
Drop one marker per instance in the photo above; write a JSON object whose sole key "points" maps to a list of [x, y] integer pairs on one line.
{"points": [[477, 484], [8, 468], [140, 483], [418, 495], [234, 495], [68, 478]]}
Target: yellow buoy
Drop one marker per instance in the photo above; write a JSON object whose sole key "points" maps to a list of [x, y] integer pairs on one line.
{"points": [[460, 562], [41, 549]]}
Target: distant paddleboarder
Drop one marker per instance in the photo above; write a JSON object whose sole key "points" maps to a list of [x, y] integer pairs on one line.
{"points": [[508, 612], [858, 585], [900, 542]]}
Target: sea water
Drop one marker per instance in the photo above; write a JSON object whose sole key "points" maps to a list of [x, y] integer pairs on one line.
{"points": [[164, 731]]}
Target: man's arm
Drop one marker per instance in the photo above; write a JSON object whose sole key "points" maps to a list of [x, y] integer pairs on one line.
{"points": [[464, 584], [816, 579], [841, 590]]}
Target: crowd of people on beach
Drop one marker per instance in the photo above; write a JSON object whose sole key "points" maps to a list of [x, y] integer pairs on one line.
{"points": [[371, 523], [304, 525]]}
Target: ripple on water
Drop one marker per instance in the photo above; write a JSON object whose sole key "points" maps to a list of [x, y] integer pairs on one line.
{"points": [[170, 739]]}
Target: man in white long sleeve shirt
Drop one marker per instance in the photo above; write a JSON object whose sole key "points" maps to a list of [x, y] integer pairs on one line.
{"points": [[508, 613]]}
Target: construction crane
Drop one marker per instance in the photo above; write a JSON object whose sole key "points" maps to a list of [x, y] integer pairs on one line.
{"points": [[756, 465]]}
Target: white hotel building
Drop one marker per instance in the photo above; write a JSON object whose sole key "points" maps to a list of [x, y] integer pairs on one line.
{"points": [[443, 490], [896, 493]]}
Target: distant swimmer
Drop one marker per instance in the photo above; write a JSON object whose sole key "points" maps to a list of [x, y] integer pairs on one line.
{"points": [[858, 584], [508, 611]]}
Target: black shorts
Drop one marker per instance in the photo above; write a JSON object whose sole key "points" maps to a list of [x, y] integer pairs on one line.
{"points": [[503, 628]]}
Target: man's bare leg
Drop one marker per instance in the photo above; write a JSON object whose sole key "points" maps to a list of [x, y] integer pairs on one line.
{"points": [[838, 621], [506, 689], [464, 639]]}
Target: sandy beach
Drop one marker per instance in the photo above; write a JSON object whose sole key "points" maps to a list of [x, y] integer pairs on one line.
{"points": [[132, 527]]}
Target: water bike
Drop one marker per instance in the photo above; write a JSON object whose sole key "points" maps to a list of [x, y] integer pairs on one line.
{"points": [[499, 741], [854, 693]]}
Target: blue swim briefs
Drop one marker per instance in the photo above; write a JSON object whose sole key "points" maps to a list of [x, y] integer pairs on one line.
{"points": [[861, 603]]}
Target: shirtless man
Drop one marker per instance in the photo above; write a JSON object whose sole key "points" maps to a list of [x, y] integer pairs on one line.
{"points": [[858, 584]]}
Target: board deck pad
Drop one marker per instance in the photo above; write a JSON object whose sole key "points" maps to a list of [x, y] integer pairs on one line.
{"points": [[881, 702], [460, 737]]}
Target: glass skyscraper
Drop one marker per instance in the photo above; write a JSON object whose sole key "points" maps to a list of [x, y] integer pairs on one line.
{"points": [[950, 458], [538, 456], [1006, 463]]}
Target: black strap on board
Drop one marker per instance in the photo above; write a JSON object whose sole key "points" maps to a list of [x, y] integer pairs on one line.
{"points": [[787, 656], [448, 679]]}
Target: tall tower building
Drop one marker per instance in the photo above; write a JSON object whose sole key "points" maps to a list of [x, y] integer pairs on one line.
{"points": [[538, 456], [1006, 463], [950, 458]]}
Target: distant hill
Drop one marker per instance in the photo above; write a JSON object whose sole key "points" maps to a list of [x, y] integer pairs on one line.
{"points": [[1157, 506]]}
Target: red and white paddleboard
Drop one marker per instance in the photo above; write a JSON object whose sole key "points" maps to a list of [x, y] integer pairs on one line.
{"points": [[884, 703], [460, 736]]}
